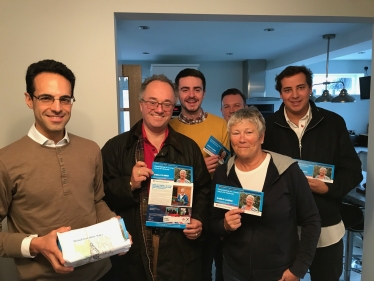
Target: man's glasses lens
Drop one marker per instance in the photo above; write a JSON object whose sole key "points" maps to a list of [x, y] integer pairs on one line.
{"points": [[167, 106], [47, 99]]}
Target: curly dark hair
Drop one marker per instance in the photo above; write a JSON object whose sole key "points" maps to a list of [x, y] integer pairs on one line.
{"points": [[291, 71]]}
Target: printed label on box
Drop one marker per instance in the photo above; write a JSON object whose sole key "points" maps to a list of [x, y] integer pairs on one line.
{"points": [[93, 243]]}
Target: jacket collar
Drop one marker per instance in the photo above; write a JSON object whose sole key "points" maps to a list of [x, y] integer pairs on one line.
{"points": [[136, 131], [277, 166], [317, 115], [281, 162]]}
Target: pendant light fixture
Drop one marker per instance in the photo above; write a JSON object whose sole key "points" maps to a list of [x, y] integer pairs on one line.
{"points": [[326, 97], [343, 97]]}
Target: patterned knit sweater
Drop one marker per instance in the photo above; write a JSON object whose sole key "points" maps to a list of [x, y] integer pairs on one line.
{"points": [[200, 132]]}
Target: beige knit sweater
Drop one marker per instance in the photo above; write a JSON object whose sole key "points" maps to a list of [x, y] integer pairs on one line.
{"points": [[42, 189]]}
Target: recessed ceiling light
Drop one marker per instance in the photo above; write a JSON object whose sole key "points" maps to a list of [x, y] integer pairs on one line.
{"points": [[144, 27], [269, 29], [229, 54], [145, 53], [361, 53]]}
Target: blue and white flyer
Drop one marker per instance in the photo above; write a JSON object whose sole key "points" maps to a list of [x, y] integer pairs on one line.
{"points": [[214, 147], [323, 172], [170, 196], [229, 197]]}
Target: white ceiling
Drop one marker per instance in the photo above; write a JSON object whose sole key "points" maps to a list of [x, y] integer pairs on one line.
{"points": [[210, 40]]}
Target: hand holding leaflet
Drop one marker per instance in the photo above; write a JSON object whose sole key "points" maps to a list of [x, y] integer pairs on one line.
{"points": [[229, 198], [214, 147]]}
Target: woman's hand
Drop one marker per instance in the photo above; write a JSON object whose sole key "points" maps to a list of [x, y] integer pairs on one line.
{"points": [[232, 220]]}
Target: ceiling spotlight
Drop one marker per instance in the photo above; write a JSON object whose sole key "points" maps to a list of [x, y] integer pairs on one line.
{"points": [[229, 54], [144, 27], [145, 53], [269, 29]]}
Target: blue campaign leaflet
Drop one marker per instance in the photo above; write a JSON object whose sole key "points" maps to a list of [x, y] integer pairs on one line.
{"points": [[229, 197], [170, 196], [321, 171], [214, 147], [167, 171]]}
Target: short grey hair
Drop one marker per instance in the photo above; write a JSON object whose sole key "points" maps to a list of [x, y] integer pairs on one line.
{"points": [[157, 77], [251, 114]]}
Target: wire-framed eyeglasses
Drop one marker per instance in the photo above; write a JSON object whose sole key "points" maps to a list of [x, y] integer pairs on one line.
{"points": [[166, 106], [48, 99]]}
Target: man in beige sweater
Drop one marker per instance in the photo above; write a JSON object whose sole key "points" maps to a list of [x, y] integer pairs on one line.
{"points": [[50, 181]]}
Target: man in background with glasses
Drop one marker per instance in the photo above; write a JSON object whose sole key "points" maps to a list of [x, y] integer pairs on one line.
{"points": [[50, 181], [156, 253]]}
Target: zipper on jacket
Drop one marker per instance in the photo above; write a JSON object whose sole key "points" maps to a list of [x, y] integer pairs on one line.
{"points": [[146, 250], [306, 130]]}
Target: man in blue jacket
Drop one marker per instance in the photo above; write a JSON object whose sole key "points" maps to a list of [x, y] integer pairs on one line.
{"points": [[304, 131]]}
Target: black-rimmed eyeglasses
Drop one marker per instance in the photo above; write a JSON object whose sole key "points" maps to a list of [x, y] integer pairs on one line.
{"points": [[166, 106], [48, 99]]}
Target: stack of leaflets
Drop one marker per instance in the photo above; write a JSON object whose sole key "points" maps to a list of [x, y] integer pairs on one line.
{"points": [[323, 172], [229, 197], [214, 147], [93, 243], [170, 196]]}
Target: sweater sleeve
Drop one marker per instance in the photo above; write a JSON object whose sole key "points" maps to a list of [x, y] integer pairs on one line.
{"points": [[102, 210], [217, 215], [225, 137], [348, 173], [201, 195], [308, 219], [10, 243]]}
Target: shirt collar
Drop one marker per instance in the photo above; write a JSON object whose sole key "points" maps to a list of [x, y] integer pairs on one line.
{"points": [[144, 133], [307, 117], [36, 136], [199, 119]]}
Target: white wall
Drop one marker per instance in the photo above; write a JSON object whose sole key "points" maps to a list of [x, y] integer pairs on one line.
{"points": [[81, 34]]}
